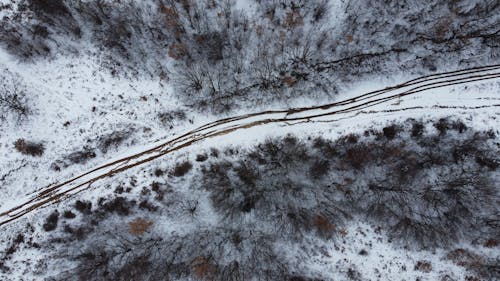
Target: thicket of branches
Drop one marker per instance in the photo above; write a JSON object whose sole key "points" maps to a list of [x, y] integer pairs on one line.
{"points": [[226, 55], [427, 190], [219, 57], [13, 99], [419, 34], [426, 185]]}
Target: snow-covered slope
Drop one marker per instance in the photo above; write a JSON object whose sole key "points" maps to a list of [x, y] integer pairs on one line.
{"points": [[88, 83]]}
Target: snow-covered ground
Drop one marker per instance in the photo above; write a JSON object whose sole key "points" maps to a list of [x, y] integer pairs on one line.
{"points": [[77, 106], [477, 103]]}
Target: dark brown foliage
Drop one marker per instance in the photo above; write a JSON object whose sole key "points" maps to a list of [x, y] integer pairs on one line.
{"points": [[113, 140], [201, 157], [424, 266], [417, 129], [390, 131], [286, 189], [119, 205], [29, 148], [182, 169], [51, 221], [50, 7], [84, 207], [69, 215], [442, 126]]}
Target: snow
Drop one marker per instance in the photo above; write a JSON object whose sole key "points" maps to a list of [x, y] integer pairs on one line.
{"points": [[73, 103], [67, 88], [384, 261], [332, 260]]}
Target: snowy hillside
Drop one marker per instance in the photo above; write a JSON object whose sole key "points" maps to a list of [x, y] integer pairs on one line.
{"points": [[249, 140]]}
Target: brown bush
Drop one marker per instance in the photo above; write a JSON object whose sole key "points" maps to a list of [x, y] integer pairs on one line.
{"points": [[182, 168], [323, 224], [201, 157], [417, 129], [69, 215], [29, 148], [139, 226], [113, 140], [202, 269], [293, 19], [464, 257], [289, 81], [319, 168], [84, 207], [491, 243], [390, 131], [51, 7], [424, 266], [51, 221], [177, 51]]}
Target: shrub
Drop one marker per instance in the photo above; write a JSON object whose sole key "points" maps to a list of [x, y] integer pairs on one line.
{"points": [[40, 30], [158, 172], [169, 118], [77, 157], [353, 274], [319, 168], [417, 129], [424, 266], [29, 148], [84, 207], [112, 140], [182, 169], [50, 7], [139, 226], [51, 221], [119, 205], [13, 94], [483, 266], [323, 226], [357, 156], [459, 126], [363, 252], [190, 256], [156, 187], [13, 103], [390, 131], [69, 215], [442, 125], [320, 10], [80, 157], [201, 157], [145, 205], [488, 162], [288, 190]]}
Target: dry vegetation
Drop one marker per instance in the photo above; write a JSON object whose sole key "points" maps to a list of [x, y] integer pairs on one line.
{"points": [[284, 190], [218, 56], [13, 99], [29, 147], [139, 226]]}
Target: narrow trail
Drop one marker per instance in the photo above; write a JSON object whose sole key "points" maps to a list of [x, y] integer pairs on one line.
{"points": [[358, 104]]}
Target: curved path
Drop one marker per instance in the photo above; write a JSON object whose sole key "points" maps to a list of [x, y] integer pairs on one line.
{"points": [[358, 104]]}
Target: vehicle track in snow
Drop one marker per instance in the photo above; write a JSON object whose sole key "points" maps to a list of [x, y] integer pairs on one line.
{"points": [[357, 105]]}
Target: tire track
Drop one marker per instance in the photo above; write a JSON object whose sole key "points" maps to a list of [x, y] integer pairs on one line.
{"points": [[72, 186]]}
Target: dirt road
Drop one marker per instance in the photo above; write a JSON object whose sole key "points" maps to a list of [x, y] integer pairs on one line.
{"points": [[67, 188]]}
